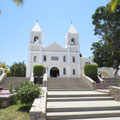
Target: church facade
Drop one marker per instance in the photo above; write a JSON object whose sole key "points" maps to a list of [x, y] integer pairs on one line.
{"points": [[58, 61]]}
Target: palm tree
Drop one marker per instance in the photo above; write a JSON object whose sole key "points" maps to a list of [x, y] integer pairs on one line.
{"points": [[113, 4], [18, 2]]}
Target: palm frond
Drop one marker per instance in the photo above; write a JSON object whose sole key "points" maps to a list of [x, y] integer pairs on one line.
{"points": [[113, 4], [0, 11], [18, 2]]}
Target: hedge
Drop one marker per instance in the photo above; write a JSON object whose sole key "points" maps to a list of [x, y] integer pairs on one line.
{"points": [[38, 70], [91, 71]]}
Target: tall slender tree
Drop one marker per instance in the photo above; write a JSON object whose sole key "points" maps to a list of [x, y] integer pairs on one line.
{"points": [[107, 26]]}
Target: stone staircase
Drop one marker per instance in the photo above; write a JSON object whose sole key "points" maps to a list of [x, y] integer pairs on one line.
{"points": [[14, 80], [111, 82], [81, 105], [66, 84]]}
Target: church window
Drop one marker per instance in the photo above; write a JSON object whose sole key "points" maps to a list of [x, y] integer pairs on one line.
{"points": [[73, 71], [73, 59], [55, 58], [36, 39], [64, 71], [73, 41], [34, 58], [64, 58], [44, 58]]}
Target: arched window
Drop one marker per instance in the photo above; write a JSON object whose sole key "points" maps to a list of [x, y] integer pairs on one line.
{"points": [[73, 59], [36, 39], [73, 41], [44, 58], [64, 71], [35, 59], [64, 58], [73, 71]]}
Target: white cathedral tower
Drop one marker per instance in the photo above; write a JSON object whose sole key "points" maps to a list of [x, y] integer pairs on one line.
{"points": [[58, 61]]}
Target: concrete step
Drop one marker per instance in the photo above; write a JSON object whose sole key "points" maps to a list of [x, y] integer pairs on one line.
{"points": [[66, 83], [82, 105], [80, 89], [82, 114], [79, 98], [114, 80], [112, 83], [101, 118], [75, 94], [67, 87], [14, 80], [110, 78]]}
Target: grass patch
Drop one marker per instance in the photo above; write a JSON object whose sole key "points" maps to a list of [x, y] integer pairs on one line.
{"points": [[15, 112]]}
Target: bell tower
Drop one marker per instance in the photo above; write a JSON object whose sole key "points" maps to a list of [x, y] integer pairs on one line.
{"points": [[72, 39], [73, 50], [35, 49], [36, 34]]}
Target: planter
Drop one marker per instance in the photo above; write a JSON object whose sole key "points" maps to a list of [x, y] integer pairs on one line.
{"points": [[38, 80], [6, 100]]}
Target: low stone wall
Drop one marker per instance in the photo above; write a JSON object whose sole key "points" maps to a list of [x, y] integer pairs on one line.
{"points": [[5, 100], [115, 92], [45, 80], [32, 78], [38, 109], [2, 77], [89, 82], [102, 84]]}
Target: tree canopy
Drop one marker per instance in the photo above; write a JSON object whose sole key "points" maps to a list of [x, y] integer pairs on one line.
{"points": [[5, 67], [107, 27], [102, 54], [18, 69]]}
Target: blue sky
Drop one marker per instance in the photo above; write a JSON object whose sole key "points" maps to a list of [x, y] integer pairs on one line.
{"points": [[54, 17]]}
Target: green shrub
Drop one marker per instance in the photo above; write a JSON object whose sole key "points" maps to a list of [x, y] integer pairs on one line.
{"points": [[27, 92], [38, 70], [91, 70], [11, 88]]}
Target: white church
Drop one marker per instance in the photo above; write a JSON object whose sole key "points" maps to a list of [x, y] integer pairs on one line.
{"points": [[58, 61]]}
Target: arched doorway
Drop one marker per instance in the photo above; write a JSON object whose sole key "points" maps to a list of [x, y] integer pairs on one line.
{"points": [[54, 72]]}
